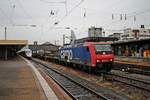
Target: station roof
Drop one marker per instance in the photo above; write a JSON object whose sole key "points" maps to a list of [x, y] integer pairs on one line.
{"points": [[8, 47], [13, 45], [14, 42], [132, 41]]}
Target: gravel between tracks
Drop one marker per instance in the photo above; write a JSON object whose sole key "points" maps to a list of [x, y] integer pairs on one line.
{"points": [[129, 91]]}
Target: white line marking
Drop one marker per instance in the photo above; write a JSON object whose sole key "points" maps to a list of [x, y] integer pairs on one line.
{"points": [[47, 90]]}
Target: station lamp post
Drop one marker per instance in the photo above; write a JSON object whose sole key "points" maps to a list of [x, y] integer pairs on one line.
{"points": [[5, 33]]}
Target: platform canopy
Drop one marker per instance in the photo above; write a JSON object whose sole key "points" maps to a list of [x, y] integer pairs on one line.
{"points": [[8, 48], [13, 42]]}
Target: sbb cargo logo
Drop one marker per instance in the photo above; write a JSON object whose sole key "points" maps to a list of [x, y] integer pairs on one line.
{"points": [[66, 54]]}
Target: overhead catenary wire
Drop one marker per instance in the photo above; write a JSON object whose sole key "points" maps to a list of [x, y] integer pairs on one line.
{"points": [[45, 1], [54, 3], [60, 2], [69, 12], [125, 16], [141, 12], [25, 12], [128, 16], [66, 7], [12, 6], [4, 14]]}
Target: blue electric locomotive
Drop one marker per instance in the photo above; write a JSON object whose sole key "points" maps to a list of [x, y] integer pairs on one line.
{"points": [[91, 55]]}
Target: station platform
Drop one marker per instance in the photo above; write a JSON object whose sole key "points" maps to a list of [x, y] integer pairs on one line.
{"points": [[18, 81], [141, 62]]}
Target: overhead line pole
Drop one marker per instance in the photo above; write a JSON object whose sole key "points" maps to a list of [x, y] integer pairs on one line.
{"points": [[5, 33], [6, 46]]}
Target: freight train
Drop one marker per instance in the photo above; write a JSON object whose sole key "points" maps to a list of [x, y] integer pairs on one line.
{"points": [[91, 55]]}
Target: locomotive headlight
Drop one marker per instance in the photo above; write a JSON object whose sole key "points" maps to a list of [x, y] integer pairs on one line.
{"points": [[104, 53], [98, 60], [111, 59]]}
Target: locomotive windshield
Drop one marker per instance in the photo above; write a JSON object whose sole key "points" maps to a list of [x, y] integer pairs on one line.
{"points": [[99, 48]]}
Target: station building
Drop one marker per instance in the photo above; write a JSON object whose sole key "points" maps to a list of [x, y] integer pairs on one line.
{"points": [[133, 43], [132, 48], [135, 34], [95, 32], [116, 35], [45, 49]]}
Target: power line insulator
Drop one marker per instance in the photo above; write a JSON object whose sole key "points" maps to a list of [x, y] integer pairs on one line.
{"points": [[112, 16], [120, 16], [56, 23], [125, 16], [84, 13], [134, 18], [51, 13], [14, 6]]}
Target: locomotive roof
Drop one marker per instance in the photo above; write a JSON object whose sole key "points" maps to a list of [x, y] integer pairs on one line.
{"points": [[86, 44], [95, 39]]}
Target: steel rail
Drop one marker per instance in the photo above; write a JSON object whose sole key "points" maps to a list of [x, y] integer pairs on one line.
{"points": [[132, 81], [75, 89]]}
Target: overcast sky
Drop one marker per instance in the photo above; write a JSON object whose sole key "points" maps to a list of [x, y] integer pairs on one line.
{"points": [[19, 15]]}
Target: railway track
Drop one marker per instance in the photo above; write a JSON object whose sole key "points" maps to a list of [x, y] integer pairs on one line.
{"points": [[126, 79], [75, 89], [132, 68], [78, 88], [139, 71]]}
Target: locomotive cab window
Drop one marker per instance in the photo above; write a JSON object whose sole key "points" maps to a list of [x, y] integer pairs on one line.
{"points": [[100, 48]]}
